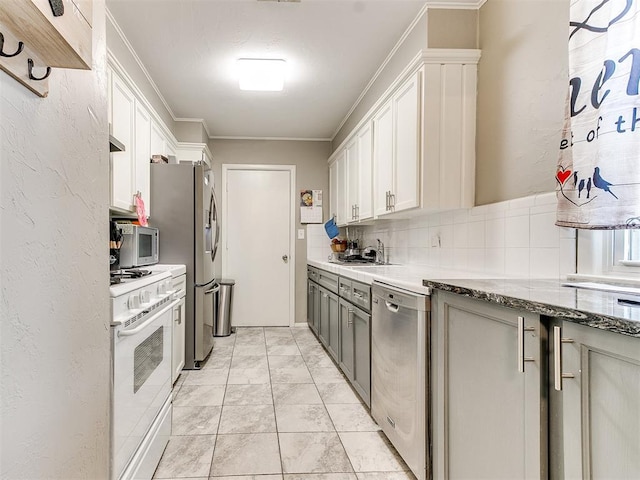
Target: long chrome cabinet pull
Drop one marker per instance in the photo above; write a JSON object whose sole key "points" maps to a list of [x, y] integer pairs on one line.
{"points": [[350, 318], [386, 207], [521, 357], [557, 358]]}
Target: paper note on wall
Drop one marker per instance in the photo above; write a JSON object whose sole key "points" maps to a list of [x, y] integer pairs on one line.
{"points": [[310, 206]]}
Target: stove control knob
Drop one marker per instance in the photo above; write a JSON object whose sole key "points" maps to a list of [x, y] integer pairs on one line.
{"points": [[145, 296], [134, 302], [162, 288]]}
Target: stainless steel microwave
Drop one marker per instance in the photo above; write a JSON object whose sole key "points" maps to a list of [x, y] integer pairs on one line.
{"points": [[139, 245]]}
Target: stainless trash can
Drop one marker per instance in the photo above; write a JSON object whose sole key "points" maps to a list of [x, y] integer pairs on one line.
{"points": [[222, 308]]}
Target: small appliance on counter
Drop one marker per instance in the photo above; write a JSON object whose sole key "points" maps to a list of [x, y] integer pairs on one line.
{"points": [[139, 245]]}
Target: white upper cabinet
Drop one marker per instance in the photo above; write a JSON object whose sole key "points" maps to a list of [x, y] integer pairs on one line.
{"points": [[333, 189], [383, 159], [423, 141], [122, 106], [397, 151], [352, 181], [143, 155], [405, 193], [137, 126], [365, 172], [341, 194]]}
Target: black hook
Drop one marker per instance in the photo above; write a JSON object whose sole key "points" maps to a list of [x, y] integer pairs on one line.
{"points": [[30, 63], [3, 54]]}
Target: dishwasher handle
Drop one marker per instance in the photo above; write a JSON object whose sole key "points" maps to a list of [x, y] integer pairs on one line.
{"points": [[392, 307]]}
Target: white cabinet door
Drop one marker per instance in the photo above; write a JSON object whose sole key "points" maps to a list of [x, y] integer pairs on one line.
{"points": [[341, 198], [122, 163], [406, 106], [383, 158], [177, 359], [353, 189], [333, 190], [365, 172], [143, 154]]}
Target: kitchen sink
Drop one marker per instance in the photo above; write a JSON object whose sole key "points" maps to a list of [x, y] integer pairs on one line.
{"points": [[363, 264]]}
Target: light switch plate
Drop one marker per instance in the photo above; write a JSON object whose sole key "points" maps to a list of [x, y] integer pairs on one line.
{"points": [[301, 234]]}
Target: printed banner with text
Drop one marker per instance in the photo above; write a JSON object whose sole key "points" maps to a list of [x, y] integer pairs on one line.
{"points": [[598, 175]]}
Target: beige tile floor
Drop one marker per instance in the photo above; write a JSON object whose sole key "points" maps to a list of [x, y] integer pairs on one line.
{"points": [[270, 404]]}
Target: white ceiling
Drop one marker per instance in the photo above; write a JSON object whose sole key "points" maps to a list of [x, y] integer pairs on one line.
{"points": [[332, 48]]}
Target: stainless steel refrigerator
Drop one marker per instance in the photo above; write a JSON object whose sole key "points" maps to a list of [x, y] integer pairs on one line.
{"points": [[183, 207]]}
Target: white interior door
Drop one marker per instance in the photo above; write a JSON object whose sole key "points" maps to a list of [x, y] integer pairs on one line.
{"points": [[257, 248]]}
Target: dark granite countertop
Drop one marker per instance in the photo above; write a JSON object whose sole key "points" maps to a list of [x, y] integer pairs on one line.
{"points": [[593, 308]]}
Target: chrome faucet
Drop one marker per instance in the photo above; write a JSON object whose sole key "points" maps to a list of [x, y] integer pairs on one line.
{"points": [[380, 252]]}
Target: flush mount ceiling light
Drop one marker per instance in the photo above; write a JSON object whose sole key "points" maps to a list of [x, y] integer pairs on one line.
{"points": [[262, 74]]}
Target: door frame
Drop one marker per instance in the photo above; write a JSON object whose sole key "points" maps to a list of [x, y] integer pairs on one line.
{"points": [[227, 167]]}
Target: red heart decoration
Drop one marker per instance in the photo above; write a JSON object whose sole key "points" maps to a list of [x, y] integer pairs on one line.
{"points": [[563, 175]]}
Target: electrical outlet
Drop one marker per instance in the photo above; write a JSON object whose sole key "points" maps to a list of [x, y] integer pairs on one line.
{"points": [[301, 234], [435, 241]]}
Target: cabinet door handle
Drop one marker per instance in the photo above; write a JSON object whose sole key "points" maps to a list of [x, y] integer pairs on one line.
{"points": [[358, 295], [357, 212], [387, 201], [521, 357], [392, 201], [350, 318], [178, 310], [557, 358]]}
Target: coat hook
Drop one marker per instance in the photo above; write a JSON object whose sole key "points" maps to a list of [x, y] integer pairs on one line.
{"points": [[30, 63], [2, 52]]}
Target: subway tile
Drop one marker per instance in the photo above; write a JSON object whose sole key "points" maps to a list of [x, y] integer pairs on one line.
{"points": [[476, 234], [544, 262], [460, 235], [446, 236], [475, 259], [460, 261], [516, 262], [523, 202], [494, 260], [543, 232], [567, 256], [547, 198], [517, 232], [494, 232]]}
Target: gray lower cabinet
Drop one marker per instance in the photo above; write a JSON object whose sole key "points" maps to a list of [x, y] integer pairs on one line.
{"points": [[345, 352], [489, 420], [355, 348], [600, 402], [313, 305], [328, 329]]}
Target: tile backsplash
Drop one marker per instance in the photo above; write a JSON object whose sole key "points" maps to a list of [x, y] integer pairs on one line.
{"points": [[515, 238]]}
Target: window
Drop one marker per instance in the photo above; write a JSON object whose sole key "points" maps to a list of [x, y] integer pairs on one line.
{"points": [[609, 253]]}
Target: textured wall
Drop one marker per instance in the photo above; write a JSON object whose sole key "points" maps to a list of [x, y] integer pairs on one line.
{"points": [[522, 83], [54, 343], [310, 159]]}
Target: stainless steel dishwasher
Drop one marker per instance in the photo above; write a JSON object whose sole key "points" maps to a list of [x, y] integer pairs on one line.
{"points": [[400, 400]]}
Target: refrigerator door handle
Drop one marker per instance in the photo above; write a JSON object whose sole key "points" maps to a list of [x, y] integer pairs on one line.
{"points": [[213, 217]]}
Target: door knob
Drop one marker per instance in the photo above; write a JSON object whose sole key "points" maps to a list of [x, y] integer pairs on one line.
{"points": [[285, 258]]}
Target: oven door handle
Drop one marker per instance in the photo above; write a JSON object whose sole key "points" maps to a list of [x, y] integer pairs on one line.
{"points": [[133, 331]]}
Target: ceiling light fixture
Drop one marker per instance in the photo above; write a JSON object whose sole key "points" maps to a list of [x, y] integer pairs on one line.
{"points": [[261, 74]]}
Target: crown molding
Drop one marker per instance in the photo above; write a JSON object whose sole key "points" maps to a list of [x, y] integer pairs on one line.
{"points": [[457, 5]]}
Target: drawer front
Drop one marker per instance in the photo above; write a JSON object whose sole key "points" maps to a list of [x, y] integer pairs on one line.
{"points": [[344, 285], [361, 295], [328, 281], [312, 274]]}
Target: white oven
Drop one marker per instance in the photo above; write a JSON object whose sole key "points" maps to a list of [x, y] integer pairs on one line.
{"points": [[141, 363]]}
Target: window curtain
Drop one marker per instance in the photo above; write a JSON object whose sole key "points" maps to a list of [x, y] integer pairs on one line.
{"points": [[598, 174]]}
